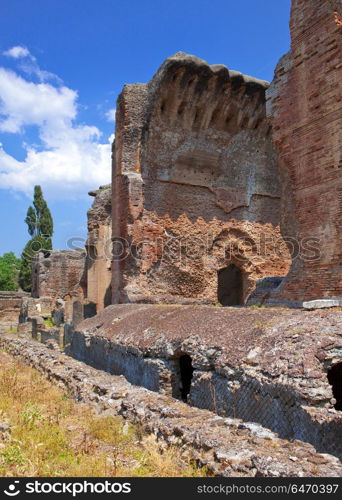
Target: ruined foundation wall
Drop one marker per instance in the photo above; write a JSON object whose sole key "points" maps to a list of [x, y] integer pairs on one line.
{"points": [[266, 366], [305, 109], [195, 184], [227, 447]]}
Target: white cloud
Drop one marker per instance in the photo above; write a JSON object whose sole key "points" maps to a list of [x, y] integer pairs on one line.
{"points": [[17, 52], [71, 158], [25, 103], [30, 67], [28, 64], [111, 114]]}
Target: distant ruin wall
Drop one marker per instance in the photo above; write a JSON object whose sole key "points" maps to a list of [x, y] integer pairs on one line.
{"points": [[195, 184], [10, 303], [305, 109], [59, 274], [99, 249]]}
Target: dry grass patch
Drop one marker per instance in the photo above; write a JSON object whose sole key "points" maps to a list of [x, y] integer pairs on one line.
{"points": [[44, 433]]}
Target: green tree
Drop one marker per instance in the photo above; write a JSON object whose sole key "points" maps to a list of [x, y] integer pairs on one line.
{"points": [[40, 227], [9, 268], [31, 220], [38, 218]]}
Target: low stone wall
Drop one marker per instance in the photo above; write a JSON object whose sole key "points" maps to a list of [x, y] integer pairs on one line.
{"points": [[261, 365], [228, 447]]}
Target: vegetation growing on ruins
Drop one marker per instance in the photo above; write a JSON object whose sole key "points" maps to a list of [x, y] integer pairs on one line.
{"points": [[40, 227], [9, 269], [44, 433]]}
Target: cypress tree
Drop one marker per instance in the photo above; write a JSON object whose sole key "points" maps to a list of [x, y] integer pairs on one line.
{"points": [[38, 218], [31, 220], [40, 227]]}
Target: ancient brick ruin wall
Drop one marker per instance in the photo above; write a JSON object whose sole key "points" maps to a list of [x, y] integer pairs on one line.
{"points": [[59, 274], [81, 278], [10, 303], [266, 366], [68, 286], [99, 248], [305, 109], [195, 184]]}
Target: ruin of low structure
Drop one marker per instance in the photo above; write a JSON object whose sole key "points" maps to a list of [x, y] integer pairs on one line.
{"points": [[10, 303], [305, 110], [196, 194], [281, 368]]}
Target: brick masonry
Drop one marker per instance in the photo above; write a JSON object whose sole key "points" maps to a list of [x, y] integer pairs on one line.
{"points": [[195, 184], [304, 105], [10, 303], [99, 249], [59, 274]]}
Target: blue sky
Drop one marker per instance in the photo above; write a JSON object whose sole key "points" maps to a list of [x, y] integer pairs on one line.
{"points": [[62, 66]]}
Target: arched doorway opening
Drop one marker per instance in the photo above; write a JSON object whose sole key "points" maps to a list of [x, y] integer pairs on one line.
{"points": [[230, 286]]}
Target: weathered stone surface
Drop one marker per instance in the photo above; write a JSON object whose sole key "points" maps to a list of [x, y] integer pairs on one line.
{"points": [[305, 109], [264, 365], [99, 248], [59, 274], [263, 289], [195, 186], [322, 304], [31, 307], [10, 303], [228, 447]]}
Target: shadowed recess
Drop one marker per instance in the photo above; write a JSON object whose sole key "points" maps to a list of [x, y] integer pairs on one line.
{"points": [[230, 286]]}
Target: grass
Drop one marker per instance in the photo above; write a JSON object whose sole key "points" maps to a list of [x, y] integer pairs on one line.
{"points": [[53, 436], [48, 322]]}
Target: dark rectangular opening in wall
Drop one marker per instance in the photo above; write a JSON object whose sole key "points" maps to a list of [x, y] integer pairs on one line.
{"points": [[230, 286]]}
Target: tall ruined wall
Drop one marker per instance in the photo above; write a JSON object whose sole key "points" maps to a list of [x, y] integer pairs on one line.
{"points": [[99, 248], [58, 274], [195, 185], [305, 109]]}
